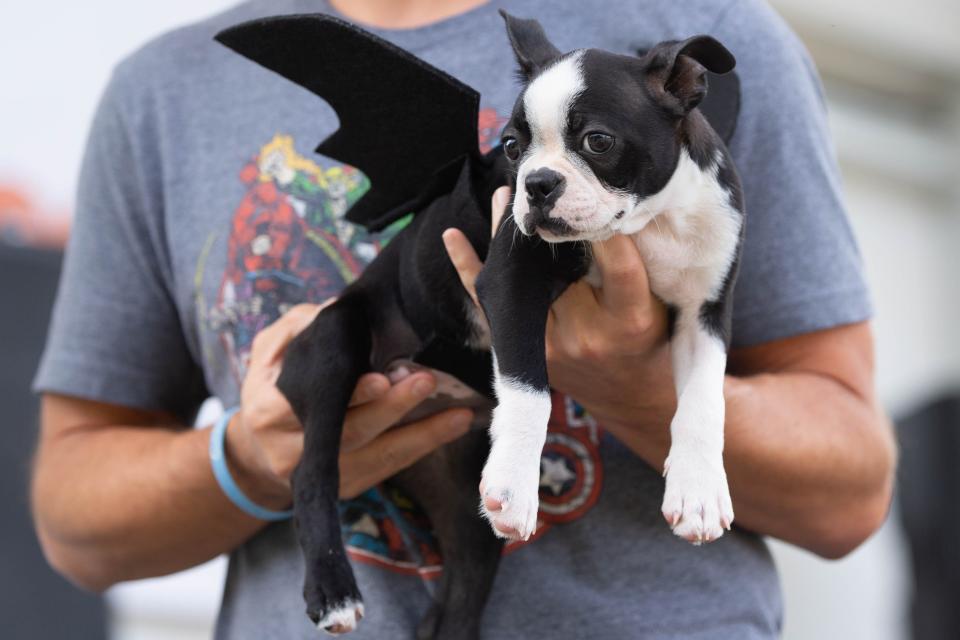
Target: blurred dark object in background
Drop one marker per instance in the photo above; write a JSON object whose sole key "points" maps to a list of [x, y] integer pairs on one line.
{"points": [[35, 602], [929, 499]]}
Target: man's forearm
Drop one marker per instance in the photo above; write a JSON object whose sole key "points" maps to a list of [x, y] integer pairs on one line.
{"points": [[809, 462], [806, 459], [119, 503]]}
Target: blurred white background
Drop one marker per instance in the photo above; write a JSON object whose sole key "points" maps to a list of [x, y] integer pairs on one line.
{"points": [[893, 81]]}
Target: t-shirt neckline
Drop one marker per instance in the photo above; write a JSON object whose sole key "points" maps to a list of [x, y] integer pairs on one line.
{"points": [[429, 32]]}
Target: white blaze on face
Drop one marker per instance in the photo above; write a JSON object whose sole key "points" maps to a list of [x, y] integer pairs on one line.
{"points": [[546, 105], [547, 101], [586, 205]]}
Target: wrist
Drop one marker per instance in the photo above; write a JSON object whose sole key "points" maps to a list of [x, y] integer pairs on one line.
{"points": [[255, 481], [644, 410]]}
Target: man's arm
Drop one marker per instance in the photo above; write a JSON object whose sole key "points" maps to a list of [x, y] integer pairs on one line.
{"points": [[809, 454], [120, 494]]}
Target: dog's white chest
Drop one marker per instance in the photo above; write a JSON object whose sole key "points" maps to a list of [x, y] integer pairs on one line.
{"points": [[672, 276], [690, 240]]}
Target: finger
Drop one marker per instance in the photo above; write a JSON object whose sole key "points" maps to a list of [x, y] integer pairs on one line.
{"points": [[623, 275], [498, 206], [573, 318], [370, 387], [464, 259], [366, 421], [398, 448], [577, 300], [270, 343], [272, 410]]}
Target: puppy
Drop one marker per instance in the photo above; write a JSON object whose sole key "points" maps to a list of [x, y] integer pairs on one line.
{"points": [[585, 170], [604, 144]]}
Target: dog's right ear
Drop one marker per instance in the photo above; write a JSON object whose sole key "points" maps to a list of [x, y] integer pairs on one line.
{"points": [[530, 45]]}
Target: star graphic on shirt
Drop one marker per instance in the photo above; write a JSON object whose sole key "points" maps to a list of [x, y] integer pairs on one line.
{"points": [[554, 474], [366, 525]]}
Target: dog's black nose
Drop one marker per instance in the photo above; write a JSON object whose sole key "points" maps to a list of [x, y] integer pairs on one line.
{"points": [[544, 186]]}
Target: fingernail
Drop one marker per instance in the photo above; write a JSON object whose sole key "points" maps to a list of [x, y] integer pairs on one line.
{"points": [[423, 387], [446, 236], [398, 374]]}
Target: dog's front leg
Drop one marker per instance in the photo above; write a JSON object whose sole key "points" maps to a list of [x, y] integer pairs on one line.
{"points": [[510, 485], [697, 502], [519, 282]]}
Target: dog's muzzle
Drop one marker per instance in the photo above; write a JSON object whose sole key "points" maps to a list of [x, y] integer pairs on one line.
{"points": [[544, 187]]}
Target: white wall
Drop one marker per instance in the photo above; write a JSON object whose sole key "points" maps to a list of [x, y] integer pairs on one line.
{"points": [[55, 59]]}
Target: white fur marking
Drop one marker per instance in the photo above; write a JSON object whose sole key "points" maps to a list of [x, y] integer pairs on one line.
{"points": [[697, 502], [344, 616], [518, 432], [546, 104], [547, 101], [687, 234]]}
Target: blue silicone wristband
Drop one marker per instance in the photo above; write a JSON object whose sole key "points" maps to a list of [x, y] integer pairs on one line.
{"points": [[218, 460]]}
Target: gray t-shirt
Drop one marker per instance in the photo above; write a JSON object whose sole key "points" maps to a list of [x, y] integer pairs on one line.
{"points": [[203, 214]]}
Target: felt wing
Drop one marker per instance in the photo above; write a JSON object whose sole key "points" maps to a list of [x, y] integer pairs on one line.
{"points": [[402, 122]]}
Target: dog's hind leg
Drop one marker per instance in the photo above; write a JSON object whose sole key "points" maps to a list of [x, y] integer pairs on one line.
{"points": [[320, 371], [470, 551]]}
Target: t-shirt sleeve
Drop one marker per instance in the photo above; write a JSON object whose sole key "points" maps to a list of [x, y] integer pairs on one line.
{"points": [[115, 335], [801, 269]]}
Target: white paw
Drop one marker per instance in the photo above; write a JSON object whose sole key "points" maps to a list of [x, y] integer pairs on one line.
{"points": [[342, 619], [510, 495], [696, 502]]}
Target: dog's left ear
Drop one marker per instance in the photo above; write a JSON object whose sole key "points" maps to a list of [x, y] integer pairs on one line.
{"points": [[530, 45], [677, 70]]}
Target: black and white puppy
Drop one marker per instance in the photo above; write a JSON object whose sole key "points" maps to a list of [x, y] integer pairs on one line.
{"points": [[606, 144], [598, 144]]}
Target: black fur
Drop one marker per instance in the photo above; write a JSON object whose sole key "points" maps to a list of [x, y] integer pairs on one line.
{"points": [[530, 45], [408, 303]]}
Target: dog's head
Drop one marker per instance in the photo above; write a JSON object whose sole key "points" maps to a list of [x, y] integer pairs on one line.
{"points": [[594, 133]]}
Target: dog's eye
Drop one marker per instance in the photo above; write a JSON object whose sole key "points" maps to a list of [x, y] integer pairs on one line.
{"points": [[597, 143], [511, 149]]}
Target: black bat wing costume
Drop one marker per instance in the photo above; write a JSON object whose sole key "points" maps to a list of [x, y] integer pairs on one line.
{"points": [[409, 303]]}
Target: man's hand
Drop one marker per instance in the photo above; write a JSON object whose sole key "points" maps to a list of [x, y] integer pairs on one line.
{"points": [[599, 341], [265, 439]]}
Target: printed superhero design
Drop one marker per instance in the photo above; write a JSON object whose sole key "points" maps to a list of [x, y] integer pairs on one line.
{"points": [[289, 243], [383, 528], [489, 126]]}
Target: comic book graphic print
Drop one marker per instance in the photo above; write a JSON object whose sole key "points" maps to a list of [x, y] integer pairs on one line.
{"points": [[288, 243], [384, 528]]}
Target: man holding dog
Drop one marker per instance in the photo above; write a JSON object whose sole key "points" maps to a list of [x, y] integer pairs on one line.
{"points": [[159, 306]]}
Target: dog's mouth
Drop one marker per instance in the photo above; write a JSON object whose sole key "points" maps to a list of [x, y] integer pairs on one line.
{"points": [[538, 221], [555, 227]]}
